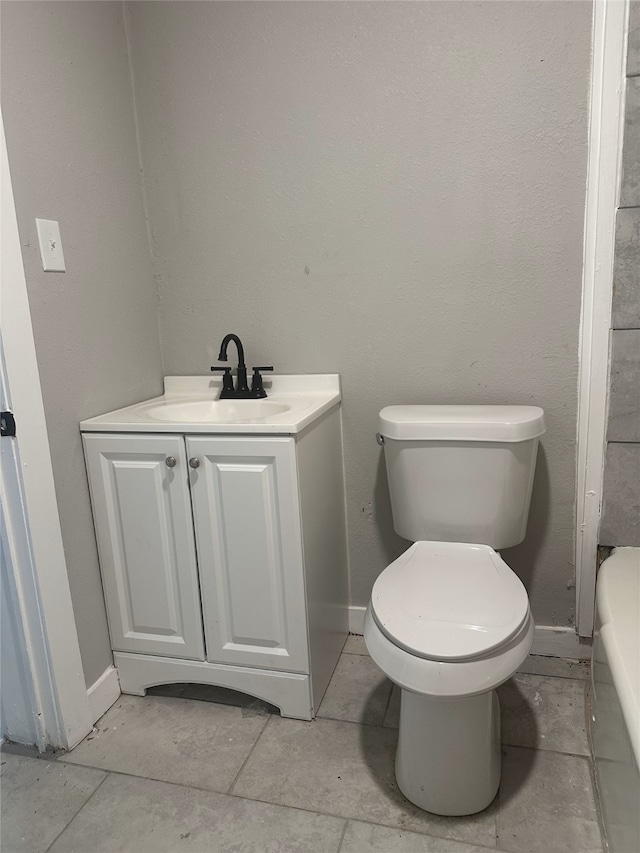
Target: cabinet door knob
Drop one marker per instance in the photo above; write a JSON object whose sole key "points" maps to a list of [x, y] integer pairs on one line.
{"points": [[170, 462], [194, 462]]}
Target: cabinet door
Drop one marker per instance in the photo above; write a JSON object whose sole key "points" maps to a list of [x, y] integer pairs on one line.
{"points": [[247, 522], [142, 516]]}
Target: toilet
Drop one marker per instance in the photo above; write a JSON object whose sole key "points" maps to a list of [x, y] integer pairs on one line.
{"points": [[449, 621]]}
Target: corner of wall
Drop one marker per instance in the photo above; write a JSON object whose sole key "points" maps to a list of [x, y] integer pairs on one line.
{"points": [[127, 31]]}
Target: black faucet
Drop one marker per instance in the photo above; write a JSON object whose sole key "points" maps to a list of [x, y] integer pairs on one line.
{"points": [[241, 390]]}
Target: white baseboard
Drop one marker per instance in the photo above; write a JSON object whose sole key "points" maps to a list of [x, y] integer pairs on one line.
{"points": [[548, 640], [554, 642], [356, 619], [103, 693]]}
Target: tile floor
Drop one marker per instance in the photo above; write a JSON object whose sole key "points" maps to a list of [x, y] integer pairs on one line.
{"points": [[171, 773]]}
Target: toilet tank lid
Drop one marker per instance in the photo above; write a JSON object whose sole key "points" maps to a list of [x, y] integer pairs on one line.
{"points": [[462, 423]]}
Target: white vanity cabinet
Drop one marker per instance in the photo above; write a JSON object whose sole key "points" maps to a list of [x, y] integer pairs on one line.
{"points": [[223, 559]]}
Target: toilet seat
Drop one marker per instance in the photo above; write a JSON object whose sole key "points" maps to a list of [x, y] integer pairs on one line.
{"points": [[449, 601], [444, 680]]}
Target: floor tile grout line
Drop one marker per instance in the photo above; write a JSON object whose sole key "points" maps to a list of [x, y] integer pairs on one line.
{"points": [[73, 817], [248, 756], [356, 654], [171, 782], [498, 802], [61, 760], [226, 794], [320, 719], [393, 826], [597, 804], [457, 840], [386, 707], [332, 815], [544, 750], [354, 722], [344, 832], [593, 769], [604, 837]]}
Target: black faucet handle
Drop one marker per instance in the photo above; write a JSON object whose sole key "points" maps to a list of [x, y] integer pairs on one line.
{"points": [[227, 380], [257, 388]]}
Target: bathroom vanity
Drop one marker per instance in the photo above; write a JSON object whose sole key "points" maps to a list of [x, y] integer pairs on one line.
{"points": [[221, 533]]}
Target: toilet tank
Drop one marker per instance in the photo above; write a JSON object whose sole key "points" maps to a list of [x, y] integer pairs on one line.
{"points": [[461, 473]]}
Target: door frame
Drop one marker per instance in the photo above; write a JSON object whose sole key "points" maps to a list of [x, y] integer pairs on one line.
{"points": [[606, 126], [39, 594]]}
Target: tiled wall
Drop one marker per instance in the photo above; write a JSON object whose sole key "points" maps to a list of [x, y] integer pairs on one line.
{"points": [[621, 509]]}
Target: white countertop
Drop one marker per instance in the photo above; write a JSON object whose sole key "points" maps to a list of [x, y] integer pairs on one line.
{"points": [[190, 405]]}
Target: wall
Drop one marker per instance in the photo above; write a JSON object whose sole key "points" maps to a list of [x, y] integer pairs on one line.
{"points": [[391, 191], [621, 505], [68, 113]]}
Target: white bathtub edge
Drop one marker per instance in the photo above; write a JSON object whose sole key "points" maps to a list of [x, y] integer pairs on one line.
{"points": [[615, 718]]}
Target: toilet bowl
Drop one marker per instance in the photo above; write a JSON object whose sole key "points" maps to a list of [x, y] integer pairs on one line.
{"points": [[449, 621], [447, 642]]}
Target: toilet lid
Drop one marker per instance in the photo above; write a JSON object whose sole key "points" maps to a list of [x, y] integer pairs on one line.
{"points": [[449, 600]]}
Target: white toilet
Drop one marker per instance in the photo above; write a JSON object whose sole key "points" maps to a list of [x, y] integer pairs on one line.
{"points": [[449, 621]]}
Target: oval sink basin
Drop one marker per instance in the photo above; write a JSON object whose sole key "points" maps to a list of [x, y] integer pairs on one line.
{"points": [[216, 411]]}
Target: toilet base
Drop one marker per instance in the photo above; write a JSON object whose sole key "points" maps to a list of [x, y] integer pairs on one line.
{"points": [[448, 757]]}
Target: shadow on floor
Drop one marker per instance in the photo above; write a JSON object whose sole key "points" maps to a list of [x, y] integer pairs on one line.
{"points": [[219, 695]]}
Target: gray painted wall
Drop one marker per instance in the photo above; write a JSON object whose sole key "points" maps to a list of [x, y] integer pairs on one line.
{"points": [[68, 113], [621, 504], [391, 191]]}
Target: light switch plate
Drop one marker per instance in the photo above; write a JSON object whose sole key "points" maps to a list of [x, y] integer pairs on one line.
{"points": [[50, 245]]}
